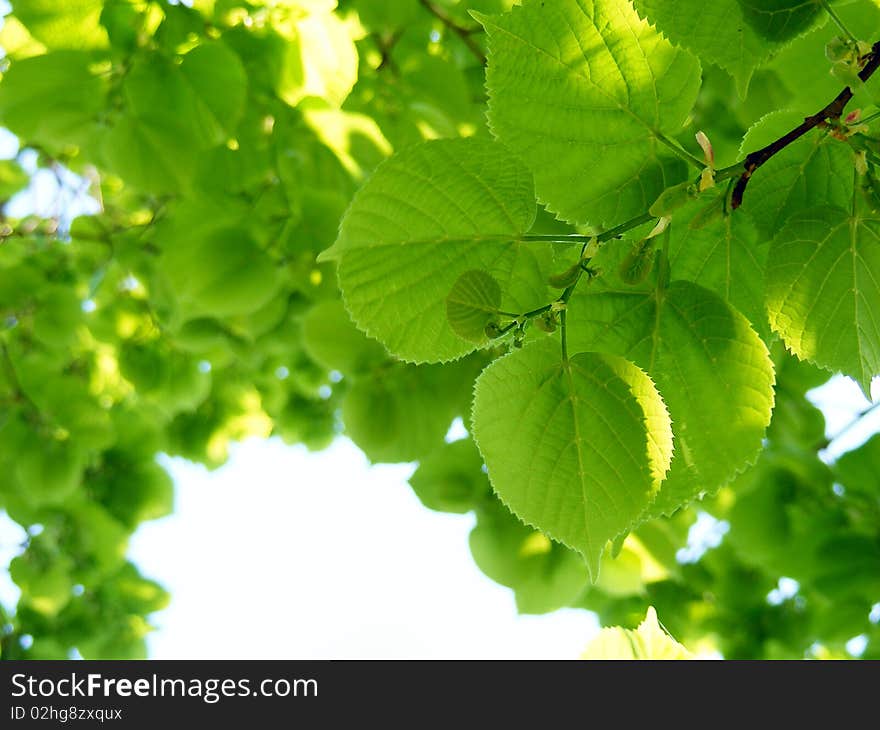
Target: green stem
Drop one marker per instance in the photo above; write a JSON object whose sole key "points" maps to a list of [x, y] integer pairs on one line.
{"points": [[528, 315], [838, 22], [856, 190], [728, 173], [557, 238], [608, 235], [564, 335], [618, 231], [869, 118], [583, 238], [664, 263], [680, 151], [505, 330]]}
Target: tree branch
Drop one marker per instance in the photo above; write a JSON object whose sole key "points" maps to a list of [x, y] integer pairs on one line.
{"points": [[832, 110], [462, 32], [386, 46]]}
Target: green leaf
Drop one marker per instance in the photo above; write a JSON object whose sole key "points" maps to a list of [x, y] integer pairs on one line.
{"points": [[331, 339], [355, 139], [321, 59], [144, 159], [57, 317], [796, 421], [779, 20], [761, 528], [451, 478], [426, 216], [402, 412], [173, 113], [221, 273], [97, 537], [217, 77], [859, 470], [649, 641], [51, 99], [149, 492], [16, 40], [583, 91], [842, 620], [544, 575], [72, 24], [137, 593], [738, 35], [849, 566], [46, 588], [13, 179], [67, 403], [816, 170], [577, 448], [823, 293], [725, 256], [711, 368], [472, 303], [386, 16], [802, 65], [49, 471]]}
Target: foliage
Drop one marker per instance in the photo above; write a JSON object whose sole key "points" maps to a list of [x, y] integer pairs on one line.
{"points": [[648, 641], [617, 239]]}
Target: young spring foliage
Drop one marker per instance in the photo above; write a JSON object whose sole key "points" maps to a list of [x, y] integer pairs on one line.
{"points": [[649, 641], [591, 96], [576, 447], [593, 230], [738, 35], [822, 276], [587, 94], [426, 217]]}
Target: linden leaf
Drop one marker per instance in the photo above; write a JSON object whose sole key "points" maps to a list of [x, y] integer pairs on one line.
{"points": [[738, 35], [587, 93], [575, 447], [425, 217], [649, 641], [711, 368], [472, 303], [823, 293]]}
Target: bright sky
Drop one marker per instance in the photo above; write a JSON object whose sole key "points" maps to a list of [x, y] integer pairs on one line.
{"points": [[287, 554]]}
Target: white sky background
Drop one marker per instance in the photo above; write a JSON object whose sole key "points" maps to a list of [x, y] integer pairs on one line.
{"points": [[284, 553]]}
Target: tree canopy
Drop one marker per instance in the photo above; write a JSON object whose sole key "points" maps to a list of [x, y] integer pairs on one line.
{"points": [[620, 240]]}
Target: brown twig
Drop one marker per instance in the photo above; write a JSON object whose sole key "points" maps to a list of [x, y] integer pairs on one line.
{"points": [[386, 46], [464, 33], [832, 110]]}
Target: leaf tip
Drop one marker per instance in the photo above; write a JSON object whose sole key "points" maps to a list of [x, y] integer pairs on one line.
{"points": [[330, 254], [483, 19], [593, 559]]}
